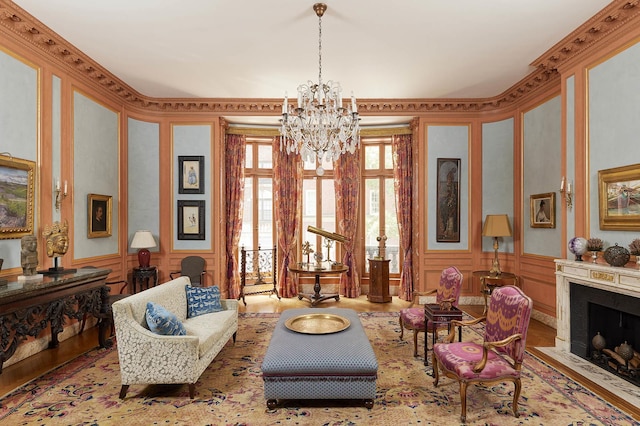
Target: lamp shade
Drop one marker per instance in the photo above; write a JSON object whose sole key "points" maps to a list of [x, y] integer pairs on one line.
{"points": [[496, 225], [143, 240]]}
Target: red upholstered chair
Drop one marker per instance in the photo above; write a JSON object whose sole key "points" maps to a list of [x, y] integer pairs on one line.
{"points": [[412, 318], [499, 357]]}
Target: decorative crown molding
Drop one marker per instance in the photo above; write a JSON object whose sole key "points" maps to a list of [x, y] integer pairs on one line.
{"points": [[33, 34]]}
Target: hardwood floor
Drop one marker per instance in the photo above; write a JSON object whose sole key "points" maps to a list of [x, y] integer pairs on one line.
{"points": [[539, 335]]}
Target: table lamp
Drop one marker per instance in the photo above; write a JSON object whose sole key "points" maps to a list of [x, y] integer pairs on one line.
{"points": [[496, 225], [143, 240]]}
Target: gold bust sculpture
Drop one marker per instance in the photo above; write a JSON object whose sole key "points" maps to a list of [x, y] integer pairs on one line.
{"points": [[57, 239]]}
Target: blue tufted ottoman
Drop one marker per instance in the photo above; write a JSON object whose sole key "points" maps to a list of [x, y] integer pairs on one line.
{"points": [[339, 365]]}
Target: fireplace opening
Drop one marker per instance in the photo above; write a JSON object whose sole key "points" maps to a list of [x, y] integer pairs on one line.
{"points": [[616, 317]]}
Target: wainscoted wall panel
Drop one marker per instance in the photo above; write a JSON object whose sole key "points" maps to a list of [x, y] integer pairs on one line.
{"points": [[193, 140], [447, 141], [542, 140], [143, 177], [497, 177], [18, 129], [96, 168], [614, 127], [570, 165], [56, 138]]}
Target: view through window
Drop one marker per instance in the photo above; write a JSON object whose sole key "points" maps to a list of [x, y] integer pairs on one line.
{"points": [[377, 199]]}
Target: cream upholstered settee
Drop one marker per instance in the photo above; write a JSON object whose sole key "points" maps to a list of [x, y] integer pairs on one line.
{"points": [[150, 358]]}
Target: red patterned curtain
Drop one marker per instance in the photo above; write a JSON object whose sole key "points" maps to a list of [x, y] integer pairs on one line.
{"points": [[287, 201], [234, 194], [347, 186], [402, 179]]}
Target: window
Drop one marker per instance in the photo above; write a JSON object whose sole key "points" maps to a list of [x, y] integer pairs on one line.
{"points": [[258, 228], [319, 202], [379, 202]]}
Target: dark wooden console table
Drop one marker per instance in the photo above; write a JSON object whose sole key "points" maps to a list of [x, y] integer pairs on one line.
{"points": [[28, 307]]}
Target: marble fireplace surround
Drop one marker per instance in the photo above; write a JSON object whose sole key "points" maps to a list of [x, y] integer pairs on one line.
{"points": [[613, 279]]}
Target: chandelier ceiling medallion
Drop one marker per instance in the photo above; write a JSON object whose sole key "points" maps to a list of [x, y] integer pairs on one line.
{"points": [[320, 127]]}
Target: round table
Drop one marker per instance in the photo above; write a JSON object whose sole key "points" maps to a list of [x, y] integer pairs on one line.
{"points": [[489, 281], [322, 270]]}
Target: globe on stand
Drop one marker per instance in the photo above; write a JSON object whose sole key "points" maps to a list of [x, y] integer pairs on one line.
{"points": [[578, 246]]}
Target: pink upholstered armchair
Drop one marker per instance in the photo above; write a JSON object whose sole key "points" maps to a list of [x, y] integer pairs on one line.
{"points": [[499, 357], [448, 292]]}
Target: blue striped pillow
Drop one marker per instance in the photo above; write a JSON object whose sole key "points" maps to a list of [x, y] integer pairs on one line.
{"points": [[202, 300]]}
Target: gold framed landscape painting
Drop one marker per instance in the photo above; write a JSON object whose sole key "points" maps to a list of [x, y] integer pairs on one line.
{"points": [[619, 198], [543, 210], [17, 177]]}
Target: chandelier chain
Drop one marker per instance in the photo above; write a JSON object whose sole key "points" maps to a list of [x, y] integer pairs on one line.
{"points": [[320, 50]]}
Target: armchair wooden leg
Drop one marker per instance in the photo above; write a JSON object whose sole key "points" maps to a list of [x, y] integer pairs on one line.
{"points": [[415, 343], [516, 396], [401, 328], [463, 402], [123, 391], [192, 390]]}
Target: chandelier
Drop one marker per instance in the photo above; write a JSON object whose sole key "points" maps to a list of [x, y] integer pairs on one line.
{"points": [[320, 127]]}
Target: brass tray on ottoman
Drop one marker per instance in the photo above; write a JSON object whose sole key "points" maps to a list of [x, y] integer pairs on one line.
{"points": [[317, 323]]}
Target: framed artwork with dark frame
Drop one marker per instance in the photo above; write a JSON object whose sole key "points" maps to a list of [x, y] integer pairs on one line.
{"points": [[191, 169], [191, 220], [543, 210], [619, 198], [17, 177], [99, 215], [448, 195]]}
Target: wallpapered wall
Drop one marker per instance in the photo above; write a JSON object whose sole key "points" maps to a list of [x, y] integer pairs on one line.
{"points": [[447, 142], [614, 128], [143, 174], [96, 171], [497, 177], [193, 140], [18, 128], [541, 173]]}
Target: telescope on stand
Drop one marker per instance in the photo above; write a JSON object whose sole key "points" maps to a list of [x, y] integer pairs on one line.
{"points": [[330, 236]]}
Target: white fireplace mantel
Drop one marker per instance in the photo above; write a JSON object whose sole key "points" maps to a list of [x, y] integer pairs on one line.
{"points": [[614, 279]]}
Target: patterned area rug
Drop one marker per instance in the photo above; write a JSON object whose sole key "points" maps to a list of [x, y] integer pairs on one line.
{"points": [[230, 392]]}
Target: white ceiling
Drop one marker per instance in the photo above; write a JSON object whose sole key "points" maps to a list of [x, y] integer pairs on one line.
{"points": [[260, 49]]}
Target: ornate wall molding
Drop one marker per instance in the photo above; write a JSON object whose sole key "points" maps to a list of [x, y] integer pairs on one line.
{"points": [[31, 33]]}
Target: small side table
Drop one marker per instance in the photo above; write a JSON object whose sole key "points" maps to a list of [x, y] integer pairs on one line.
{"points": [[143, 275], [439, 318], [488, 282], [379, 281]]}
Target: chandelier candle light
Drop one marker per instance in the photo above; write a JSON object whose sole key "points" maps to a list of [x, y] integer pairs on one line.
{"points": [[320, 127]]}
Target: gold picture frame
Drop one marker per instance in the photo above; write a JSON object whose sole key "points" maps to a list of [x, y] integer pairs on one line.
{"points": [[543, 210], [17, 197], [99, 211], [619, 198]]}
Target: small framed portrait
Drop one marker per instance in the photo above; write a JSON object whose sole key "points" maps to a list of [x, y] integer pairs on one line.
{"points": [[619, 198], [191, 220], [99, 215], [543, 210], [191, 169]]}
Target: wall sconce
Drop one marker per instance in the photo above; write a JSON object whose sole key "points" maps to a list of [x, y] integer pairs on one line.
{"points": [[60, 194], [567, 191]]}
